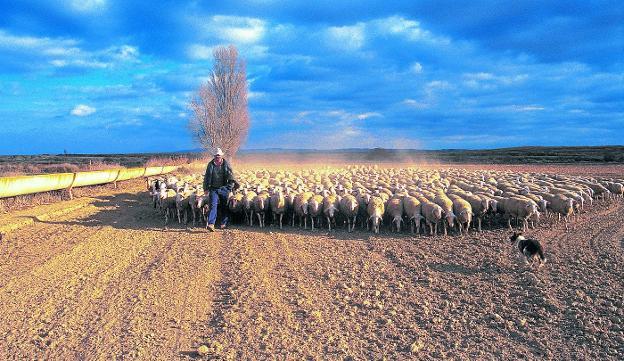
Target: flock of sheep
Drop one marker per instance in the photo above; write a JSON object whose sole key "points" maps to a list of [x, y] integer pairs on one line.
{"points": [[398, 197]]}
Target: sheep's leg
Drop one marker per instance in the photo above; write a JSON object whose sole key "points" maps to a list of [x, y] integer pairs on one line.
{"points": [[328, 224], [280, 219], [444, 225], [259, 220]]}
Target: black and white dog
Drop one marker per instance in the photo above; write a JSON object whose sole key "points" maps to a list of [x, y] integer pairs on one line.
{"points": [[530, 248]]}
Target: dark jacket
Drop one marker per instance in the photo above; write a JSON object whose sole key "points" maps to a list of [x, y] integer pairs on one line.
{"points": [[228, 177]]}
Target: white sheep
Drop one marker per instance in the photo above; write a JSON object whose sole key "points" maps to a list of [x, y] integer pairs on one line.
{"points": [[375, 210], [349, 207], [394, 208], [413, 212], [278, 205]]}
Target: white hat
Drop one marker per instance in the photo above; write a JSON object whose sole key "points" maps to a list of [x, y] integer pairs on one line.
{"points": [[218, 152]]}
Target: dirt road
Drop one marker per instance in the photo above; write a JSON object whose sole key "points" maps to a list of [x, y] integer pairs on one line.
{"points": [[106, 281]]}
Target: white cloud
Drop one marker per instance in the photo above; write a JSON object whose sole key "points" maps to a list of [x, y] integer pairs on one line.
{"points": [[61, 52], [237, 29], [256, 95], [416, 68], [47, 46], [60, 63], [410, 29], [124, 52], [88, 5], [82, 110], [415, 104], [349, 37], [368, 115], [483, 80], [519, 108], [199, 52]]}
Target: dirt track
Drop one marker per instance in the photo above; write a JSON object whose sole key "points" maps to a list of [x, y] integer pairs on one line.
{"points": [[107, 282]]}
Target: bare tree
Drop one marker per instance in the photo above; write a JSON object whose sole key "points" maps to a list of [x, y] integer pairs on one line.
{"points": [[220, 112]]}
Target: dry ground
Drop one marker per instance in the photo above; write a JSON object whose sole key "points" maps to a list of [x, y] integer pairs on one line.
{"points": [[106, 281]]}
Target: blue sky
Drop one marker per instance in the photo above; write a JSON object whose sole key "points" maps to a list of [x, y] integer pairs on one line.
{"points": [[94, 76]]}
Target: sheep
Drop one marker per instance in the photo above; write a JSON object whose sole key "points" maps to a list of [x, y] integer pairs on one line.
{"points": [[289, 198], [261, 206], [363, 199], [331, 205], [301, 207], [413, 212], [463, 211], [394, 208], [278, 205], [482, 190], [315, 208], [446, 204], [192, 205], [182, 203], [617, 189], [248, 200], [200, 206], [349, 207], [480, 206], [375, 210], [235, 203], [154, 187], [432, 214], [168, 203], [562, 206], [522, 209]]}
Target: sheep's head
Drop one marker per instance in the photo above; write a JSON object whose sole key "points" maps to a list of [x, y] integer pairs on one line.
{"points": [[331, 211], [437, 212], [376, 221], [531, 207], [233, 203], [494, 205], [569, 206], [450, 219]]}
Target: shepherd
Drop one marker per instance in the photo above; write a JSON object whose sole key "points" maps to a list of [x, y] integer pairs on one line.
{"points": [[218, 182]]}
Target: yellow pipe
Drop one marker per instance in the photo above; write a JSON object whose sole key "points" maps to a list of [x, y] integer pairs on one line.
{"points": [[29, 184]]}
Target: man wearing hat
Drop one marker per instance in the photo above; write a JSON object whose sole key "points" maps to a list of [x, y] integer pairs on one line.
{"points": [[218, 183]]}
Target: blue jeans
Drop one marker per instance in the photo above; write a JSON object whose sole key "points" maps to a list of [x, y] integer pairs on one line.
{"points": [[218, 197]]}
